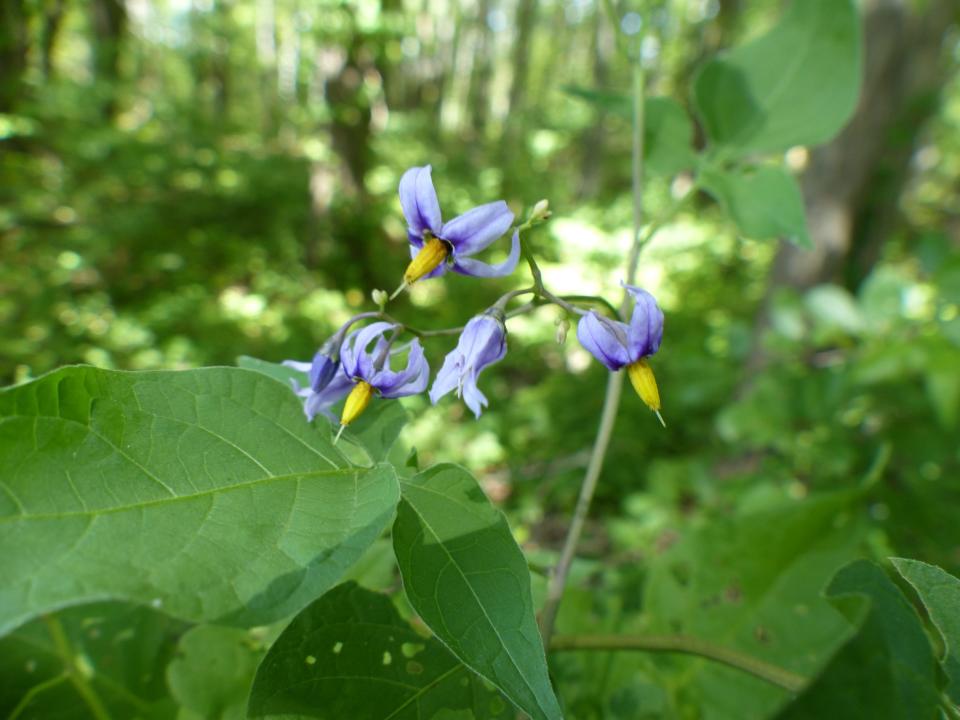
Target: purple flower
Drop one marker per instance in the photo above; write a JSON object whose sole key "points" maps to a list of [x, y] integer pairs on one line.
{"points": [[373, 368], [619, 345], [482, 343], [435, 245], [358, 373]]}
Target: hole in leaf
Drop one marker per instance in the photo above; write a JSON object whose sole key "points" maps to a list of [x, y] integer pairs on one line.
{"points": [[410, 650], [387, 657], [337, 648], [310, 660]]}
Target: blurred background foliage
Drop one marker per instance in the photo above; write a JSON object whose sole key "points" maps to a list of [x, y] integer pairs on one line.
{"points": [[185, 182]]}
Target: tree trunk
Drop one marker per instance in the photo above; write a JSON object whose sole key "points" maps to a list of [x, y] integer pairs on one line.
{"points": [[852, 185], [13, 52], [109, 21]]}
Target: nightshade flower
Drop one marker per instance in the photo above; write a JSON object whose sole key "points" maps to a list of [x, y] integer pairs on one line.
{"points": [[370, 372], [482, 343], [435, 245], [360, 374], [619, 345]]}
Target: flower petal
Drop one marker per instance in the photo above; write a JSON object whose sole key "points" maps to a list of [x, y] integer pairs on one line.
{"points": [[297, 365], [410, 381], [472, 395], [320, 402], [448, 379], [645, 331], [356, 344], [476, 229], [419, 201], [466, 266], [605, 339]]}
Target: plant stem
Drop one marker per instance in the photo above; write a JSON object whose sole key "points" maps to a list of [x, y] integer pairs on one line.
{"points": [[773, 674], [611, 400], [76, 676]]}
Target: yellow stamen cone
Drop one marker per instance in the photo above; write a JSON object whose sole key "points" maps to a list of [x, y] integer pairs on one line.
{"points": [[356, 403], [431, 256], [643, 381]]}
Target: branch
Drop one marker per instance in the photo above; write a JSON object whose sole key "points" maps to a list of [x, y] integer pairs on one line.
{"points": [[772, 674]]}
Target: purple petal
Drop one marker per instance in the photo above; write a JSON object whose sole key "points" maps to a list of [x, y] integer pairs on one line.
{"points": [[472, 396], [448, 379], [466, 266], [419, 201], [320, 402], [410, 381], [605, 339], [645, 331], [297, 365], [476, 229], [354, 348]]}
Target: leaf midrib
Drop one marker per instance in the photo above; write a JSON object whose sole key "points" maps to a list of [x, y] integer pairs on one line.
{"points": [[184, 498], [479, 604]]}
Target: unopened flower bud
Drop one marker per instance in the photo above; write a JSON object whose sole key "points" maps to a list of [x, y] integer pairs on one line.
{"points": [[563, 327], [380, 298], [541, 211]]}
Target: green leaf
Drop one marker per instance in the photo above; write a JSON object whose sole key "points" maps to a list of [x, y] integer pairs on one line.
{"points": [[467, 578], [939, 592], [375, 431], [667, 128], [765, 201], [887, 672], [796, 85], [752, 584], [280, 373], [213, 671], [121, 650], [350, 655], [202, 492]]}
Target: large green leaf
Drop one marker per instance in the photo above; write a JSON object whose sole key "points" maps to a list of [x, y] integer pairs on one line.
{"points": [[752, 583], [375, 432], [203, 492], [765, 202], [467, 578], [120, 652], [940, 593], [796, 85], [887, 672], [350, 655]]}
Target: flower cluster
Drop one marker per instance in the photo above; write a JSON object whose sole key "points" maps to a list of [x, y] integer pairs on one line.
{"points": [[355, 366]]}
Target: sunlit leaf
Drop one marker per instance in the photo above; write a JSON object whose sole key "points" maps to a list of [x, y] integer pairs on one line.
{"points": [[350, 655], [940, 593], [203, 492], [796, 85], [466, 577], [375, 431], [765, 202]]}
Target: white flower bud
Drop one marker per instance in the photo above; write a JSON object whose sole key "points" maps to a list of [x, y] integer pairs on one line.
{"points": [[380, 297], [563, 326], [541, 211]]}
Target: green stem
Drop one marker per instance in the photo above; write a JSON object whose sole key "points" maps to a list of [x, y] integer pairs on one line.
{"points": [[773, 674], [611, 400], [34, 691], [77, 678]]}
